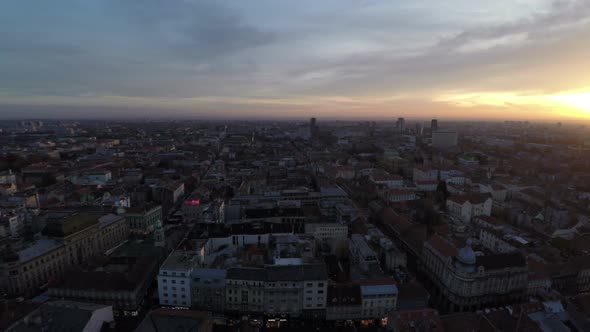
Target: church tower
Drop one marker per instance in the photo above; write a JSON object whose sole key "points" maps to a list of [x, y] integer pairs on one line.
{"points": [[159, 235]]}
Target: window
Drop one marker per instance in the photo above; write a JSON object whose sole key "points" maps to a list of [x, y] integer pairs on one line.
{"points": [[321, 284], [321, 292]]}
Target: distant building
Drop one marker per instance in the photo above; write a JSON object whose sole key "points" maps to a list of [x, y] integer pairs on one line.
{"points": [[434, 125], [313, 129], [400, 125]]}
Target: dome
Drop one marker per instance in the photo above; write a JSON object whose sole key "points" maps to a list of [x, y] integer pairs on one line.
{"points": [[466, 254], [158, 224]]}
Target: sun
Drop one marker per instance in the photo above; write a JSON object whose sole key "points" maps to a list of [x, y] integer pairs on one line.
{"points": [[579, 102]]}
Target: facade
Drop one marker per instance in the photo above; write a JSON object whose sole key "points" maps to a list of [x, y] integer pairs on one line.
{"points": [[362, 254], [387, 180], [7, 177], [192, 210], [290, 290], [122, 282], [327, 232], [142, 220], [468, 206], [493, 241], [208, 289], [343, 302], [424, 174], [379, 298], [244, 290], [400, 195]]}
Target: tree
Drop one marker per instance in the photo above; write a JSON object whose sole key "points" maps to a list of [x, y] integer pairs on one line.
{"points": [[442, 194]]}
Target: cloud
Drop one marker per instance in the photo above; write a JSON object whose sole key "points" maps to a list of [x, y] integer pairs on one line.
{"points": [[226, 56]]}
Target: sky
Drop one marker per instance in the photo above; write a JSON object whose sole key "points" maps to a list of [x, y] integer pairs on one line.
{"points": [[457, 59]]}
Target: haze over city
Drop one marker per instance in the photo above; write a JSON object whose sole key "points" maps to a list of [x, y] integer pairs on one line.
{"points": [[462, 59]]}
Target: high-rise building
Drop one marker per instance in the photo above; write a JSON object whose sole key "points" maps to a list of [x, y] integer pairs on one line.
{"points": [[401, 124], [313, 128], [434, 125]]}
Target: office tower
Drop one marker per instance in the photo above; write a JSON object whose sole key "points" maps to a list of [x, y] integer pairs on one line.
{"points": [[401, 124], [434, 125]]}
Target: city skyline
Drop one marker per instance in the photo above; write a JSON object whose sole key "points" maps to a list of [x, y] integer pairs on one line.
{"points": [[349, 60]]}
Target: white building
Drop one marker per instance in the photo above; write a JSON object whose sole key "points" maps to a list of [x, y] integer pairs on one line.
{"points": [[424, 174], [468, 206], [362, 254], [327, 232], [174, 280], [387, 180], [379, 298], [400, 195]]}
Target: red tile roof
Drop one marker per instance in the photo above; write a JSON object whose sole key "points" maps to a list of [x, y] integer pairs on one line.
{"points": [[443, 246]]}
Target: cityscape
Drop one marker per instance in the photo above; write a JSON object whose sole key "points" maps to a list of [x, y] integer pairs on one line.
{"points": [[334, 165], [399, 225]]}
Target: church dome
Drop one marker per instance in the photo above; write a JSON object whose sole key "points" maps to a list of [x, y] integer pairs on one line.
{"points": [[466, 255]]}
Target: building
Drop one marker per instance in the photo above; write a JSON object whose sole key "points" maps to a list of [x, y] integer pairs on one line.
{"points": [[142, 220], [386, 180], [174, 280], [467, 206], [7, 177], [400, 195], [362, 254], [424, 174], [379, 298], [463, 281], [400, 125], [444, 138], [208, 289], [121, 282], [344, 302], [434, 125], [65, 316], [165, 319], [244, 290], [313, 129], [330, 232], [286, 291], [192, 210], [495, 242], [70, 240]]}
